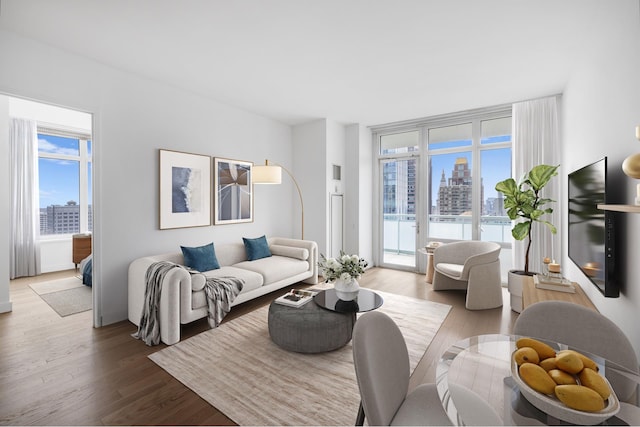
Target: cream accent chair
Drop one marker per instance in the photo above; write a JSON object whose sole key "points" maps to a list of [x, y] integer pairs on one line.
{"points": [[473, 266]]}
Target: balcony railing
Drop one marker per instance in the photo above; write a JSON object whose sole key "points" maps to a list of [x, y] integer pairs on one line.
{"points": [[400, 234], [399, 230]]}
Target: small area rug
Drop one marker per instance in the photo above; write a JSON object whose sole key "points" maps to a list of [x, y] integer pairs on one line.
{"points": [[242, 373], [65, 296]]}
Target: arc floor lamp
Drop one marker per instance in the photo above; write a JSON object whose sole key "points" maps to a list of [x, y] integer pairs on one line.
{"points": [[271, 173]]}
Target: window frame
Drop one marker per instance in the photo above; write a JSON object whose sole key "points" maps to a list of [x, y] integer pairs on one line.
{"points": [[422, 125], [84, 158], [476, 148]]}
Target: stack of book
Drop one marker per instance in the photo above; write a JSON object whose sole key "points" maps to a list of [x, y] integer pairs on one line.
{"points": [[296, 298], [554, 284]]}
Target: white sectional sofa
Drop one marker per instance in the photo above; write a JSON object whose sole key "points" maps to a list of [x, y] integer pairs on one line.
{"points": [[183, 298]]}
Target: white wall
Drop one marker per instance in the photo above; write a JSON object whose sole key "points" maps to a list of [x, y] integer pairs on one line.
{"points": [[317, 146], [600, 110], [358, 176], [133, 118], [309, 160], [56, 254], [335, 156], [5, 298]]}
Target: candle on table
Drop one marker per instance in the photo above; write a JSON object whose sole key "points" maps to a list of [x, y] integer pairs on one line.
{"points": [[554, 267]]}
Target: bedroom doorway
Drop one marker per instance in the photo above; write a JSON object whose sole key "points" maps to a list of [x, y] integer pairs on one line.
{"points": [[63, 182]]}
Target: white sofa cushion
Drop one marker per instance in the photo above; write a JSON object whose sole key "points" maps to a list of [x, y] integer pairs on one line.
{"points": [[251, 279], [197, 282], [275, 267], [451, 270], [289, 251]]}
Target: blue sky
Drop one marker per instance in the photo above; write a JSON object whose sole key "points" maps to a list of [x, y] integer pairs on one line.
{"points": [[59, 179], [496, 165]]}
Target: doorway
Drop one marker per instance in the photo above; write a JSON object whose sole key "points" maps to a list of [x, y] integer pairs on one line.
{"points": [[65, 197]]}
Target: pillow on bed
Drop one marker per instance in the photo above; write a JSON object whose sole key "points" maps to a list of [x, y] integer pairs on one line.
{"points": [[201, 258], [256, 248]]}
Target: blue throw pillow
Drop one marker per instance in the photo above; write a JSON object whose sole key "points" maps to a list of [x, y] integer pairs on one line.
{"points": [[256, 248], [202, 258]]}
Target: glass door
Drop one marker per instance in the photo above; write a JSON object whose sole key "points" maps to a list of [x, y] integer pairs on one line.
{"points": [[399, 176]]}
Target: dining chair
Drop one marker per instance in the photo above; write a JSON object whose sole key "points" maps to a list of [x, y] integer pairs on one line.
{"points": [[583, 329], [473, 266], [382, 369]]}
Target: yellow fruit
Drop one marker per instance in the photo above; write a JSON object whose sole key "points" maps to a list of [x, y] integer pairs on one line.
{"points": [[548, 364], [569, 362], [580, 397], [587, 362], [536, 378], [525, 354], [544, 351], [561, 377], [593, 380]]}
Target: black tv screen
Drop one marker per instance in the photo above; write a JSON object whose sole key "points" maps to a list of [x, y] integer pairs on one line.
{"points": [[591, 230]]}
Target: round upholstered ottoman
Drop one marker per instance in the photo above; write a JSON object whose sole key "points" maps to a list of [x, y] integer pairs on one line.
{"points": [[309, 329]]}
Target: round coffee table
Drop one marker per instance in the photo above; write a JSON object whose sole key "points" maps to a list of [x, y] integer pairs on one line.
{"points": [[365, 301], [321, 325]]}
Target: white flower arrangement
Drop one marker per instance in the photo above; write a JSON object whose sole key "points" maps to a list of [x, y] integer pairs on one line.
{"points": [[345, 267]]}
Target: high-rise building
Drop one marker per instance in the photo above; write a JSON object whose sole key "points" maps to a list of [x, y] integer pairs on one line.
{"points": [[399, 181], [57, 219], [455, 193], [495, 207]]}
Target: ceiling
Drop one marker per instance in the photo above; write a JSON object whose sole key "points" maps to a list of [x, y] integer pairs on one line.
{"points": [[353, 61]]}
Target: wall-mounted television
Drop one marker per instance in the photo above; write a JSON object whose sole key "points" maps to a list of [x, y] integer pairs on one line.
{"points": [[592, 230]]}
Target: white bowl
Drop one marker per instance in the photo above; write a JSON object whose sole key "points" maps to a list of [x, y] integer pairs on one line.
{"points": [[554, 407]]}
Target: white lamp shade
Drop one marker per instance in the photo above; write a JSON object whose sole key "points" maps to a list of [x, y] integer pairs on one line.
{"points": [[267, 174]]}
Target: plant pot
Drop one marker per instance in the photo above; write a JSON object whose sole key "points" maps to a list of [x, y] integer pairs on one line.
{"points": [[515, 283], [347, 290]]}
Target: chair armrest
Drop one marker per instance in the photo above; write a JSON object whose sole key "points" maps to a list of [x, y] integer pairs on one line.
{"points": [[479, 259]]}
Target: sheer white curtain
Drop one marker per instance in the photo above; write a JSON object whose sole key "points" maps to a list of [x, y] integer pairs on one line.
{"points": [[536, 141], [24, 246]]}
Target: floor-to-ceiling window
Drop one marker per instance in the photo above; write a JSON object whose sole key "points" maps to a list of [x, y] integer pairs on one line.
{"points": [[64, 168], [437, 181]]}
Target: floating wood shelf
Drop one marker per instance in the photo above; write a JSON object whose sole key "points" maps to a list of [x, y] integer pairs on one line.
{"points": [[621, 208]]}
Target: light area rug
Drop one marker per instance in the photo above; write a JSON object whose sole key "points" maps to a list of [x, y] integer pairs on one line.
{"points": [[241, 372], [65, 296]]}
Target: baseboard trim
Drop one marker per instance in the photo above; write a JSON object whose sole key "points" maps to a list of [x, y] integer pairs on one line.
{"points": [[6, 307]]}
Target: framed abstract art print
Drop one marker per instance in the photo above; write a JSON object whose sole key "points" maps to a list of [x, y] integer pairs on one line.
{"points": [[233, 197], [185, 190]]}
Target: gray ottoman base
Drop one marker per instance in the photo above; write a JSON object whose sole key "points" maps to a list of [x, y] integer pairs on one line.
{"points": [[309, 329]]}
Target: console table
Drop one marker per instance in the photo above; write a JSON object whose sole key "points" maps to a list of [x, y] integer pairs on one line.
{"points": [[531, 294]]}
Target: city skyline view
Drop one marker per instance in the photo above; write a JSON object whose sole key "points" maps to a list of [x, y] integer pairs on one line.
{"points": [[59, 178]]}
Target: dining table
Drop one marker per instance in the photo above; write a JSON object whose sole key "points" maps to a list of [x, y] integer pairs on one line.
{"points": [[478, 384]]}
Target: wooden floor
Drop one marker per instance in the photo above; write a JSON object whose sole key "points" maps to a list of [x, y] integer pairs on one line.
{"points": [[62, 371]]}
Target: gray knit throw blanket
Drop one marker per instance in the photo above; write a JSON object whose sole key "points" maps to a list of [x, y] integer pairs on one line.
{"points": [[220, 292]]}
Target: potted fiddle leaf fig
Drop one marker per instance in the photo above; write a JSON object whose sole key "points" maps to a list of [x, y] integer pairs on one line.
{"points": [[524, 202]]}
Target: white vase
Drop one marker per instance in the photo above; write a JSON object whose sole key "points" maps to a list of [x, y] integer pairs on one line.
{"points": [[347, 290]]}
